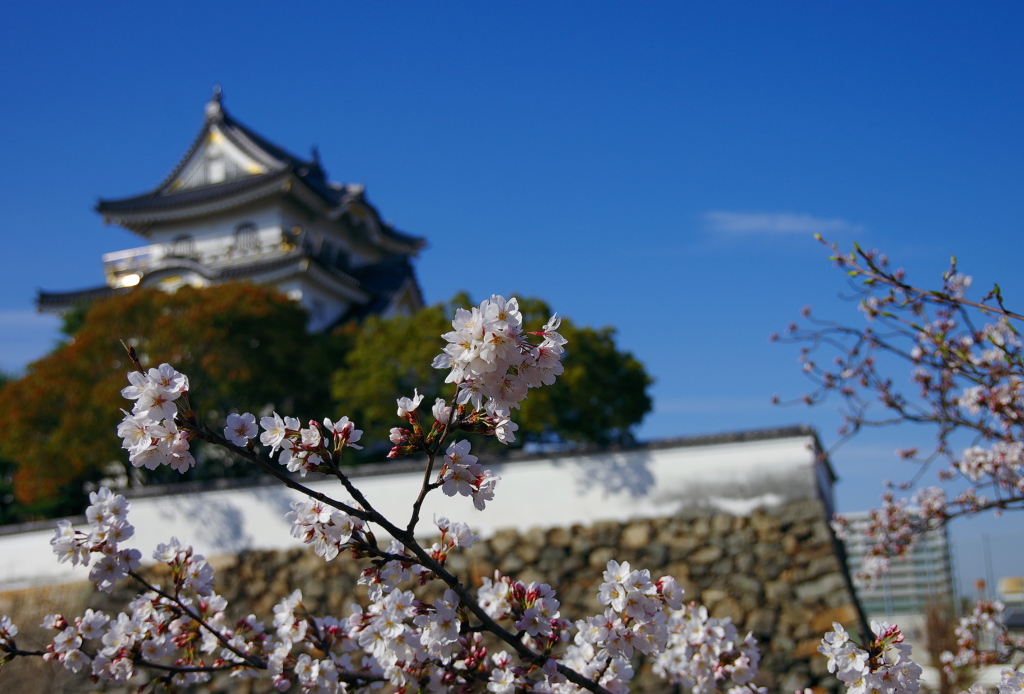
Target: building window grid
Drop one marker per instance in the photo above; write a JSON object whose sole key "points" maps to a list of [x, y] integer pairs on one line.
{"points": [[912, 582]]}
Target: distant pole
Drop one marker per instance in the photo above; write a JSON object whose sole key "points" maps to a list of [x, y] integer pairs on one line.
{"points": [[988, 563]]}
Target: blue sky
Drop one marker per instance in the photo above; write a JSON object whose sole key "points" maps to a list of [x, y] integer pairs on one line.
{"points": [[659, 168]]}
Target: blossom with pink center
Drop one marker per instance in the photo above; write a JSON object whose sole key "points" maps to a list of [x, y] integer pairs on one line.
{"points": [[240, 428]]}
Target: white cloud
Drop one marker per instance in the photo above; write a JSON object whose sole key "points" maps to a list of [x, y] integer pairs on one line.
{"points": [[774, 223]]}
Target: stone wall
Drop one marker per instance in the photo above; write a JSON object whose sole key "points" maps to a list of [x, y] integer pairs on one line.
{"points": [[776, 573]]}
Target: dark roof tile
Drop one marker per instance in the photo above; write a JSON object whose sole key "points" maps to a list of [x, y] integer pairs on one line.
{"points": [[159, 200]]}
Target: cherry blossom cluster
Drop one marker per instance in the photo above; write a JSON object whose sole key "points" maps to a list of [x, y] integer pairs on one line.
{"points": [[884, 667], [982, 638], [703, 652], [323, 669], [966, 367], [642, 616], [490, 357], [187, 618], [462, 475], [154, 628], [1010, 682], [327, 529], [301, 449], [965, 362], [150, 434], [107, 516], [1003, 463], [453, 534], [893, 529], [505, 636], [182, 628], [189, 571], [490, 421]]}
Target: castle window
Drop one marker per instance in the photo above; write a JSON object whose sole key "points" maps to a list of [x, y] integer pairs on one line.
{"points": [[183, 246], [247, 239], [215, 168]]}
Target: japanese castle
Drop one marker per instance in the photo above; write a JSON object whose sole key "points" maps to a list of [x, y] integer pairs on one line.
{"points": [[238, 207]]}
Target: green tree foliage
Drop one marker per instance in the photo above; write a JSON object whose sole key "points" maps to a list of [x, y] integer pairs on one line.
{"points": [[599, 399], [246, 347], [242, 346]]}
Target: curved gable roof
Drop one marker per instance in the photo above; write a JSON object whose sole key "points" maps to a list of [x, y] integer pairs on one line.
{"points": [[262, 169]]}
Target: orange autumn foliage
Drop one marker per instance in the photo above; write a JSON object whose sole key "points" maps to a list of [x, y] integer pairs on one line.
{"points": [[242, 346]]}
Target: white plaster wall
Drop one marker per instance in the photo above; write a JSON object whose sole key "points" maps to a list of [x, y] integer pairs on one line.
{"points": [[264, 215], [557, 491], [300, 288]]}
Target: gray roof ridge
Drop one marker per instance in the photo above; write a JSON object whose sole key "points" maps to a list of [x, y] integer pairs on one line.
{"points": [[247, 139]]}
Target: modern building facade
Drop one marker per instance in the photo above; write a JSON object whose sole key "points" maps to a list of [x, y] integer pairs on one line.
{"points": [[914, 582], [238, 207]]}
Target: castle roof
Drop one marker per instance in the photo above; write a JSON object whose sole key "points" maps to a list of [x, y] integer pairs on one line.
{"points": [[229, 165], [372, 287]]}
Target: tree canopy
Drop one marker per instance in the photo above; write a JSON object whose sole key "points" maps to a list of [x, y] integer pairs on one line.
{"points": [[599, 399], [241, 345], [246, 348]]}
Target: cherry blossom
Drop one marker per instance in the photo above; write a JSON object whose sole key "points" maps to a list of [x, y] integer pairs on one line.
{"points": [[503, 636], [884, 666], [149, 432], [964, 377], [240, 428]]}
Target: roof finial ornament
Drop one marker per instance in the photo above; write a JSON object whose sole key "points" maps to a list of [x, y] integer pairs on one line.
{"points": [[315, 161], [213, 108]]}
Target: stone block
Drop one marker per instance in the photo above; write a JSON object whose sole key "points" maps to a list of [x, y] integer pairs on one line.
{"points": [[761, 621], [551, 560], [582, 543], [711, 596], [534, 536], [822, 565], [606, 533], [778, 591], [680, 545], [764, 523], [559, 537], [728, 608], [741, 583], [721, 523], [807, 648], [739, 541], [653, 557], [529, 551], [635, 536], [503, 541], [511, 565], [705, 555], [844, 614], [803, 510], [600, 557], [722, 567]]}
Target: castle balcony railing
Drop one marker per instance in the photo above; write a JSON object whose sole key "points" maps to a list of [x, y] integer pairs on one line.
{"points": [[126, 268]]}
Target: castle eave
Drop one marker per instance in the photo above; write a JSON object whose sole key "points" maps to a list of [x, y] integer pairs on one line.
{"points": [[140, 212], [59, 302]]}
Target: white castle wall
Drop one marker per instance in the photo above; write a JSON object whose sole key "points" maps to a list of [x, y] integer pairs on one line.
{"points": [[727, 474]]}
